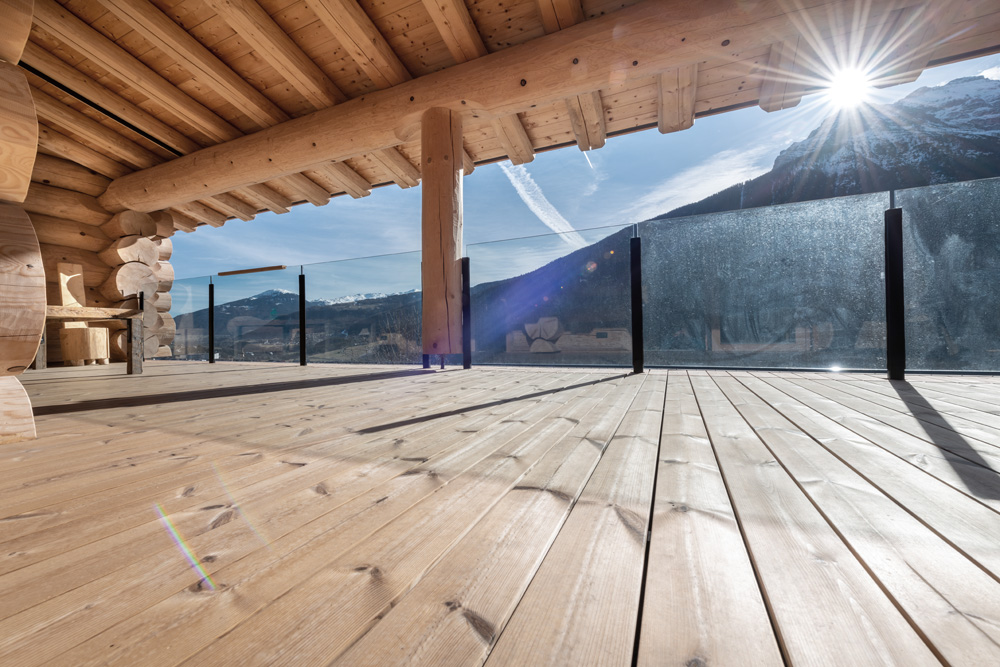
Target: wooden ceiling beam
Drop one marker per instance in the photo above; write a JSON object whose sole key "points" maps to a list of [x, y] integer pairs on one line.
{"points": [[201, 213], [231, 206], [56, 114], [72, 78], [468, 164], [15, 16], [514, 139], [273, 44], [395, 164], [346, 179], [360, 38], [637, 42], [459, 33], [560, 14], [170, 38], [64, 25], [58, 144], [781, 87], [271, 198], [183, 222], [302, 186], [586, 115], [677, 89]]}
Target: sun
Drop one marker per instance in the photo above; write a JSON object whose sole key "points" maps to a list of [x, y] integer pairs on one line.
{"points": [[849, 88]]}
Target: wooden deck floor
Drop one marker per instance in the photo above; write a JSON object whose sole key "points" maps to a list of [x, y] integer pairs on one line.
{"points": [[251, 515]]}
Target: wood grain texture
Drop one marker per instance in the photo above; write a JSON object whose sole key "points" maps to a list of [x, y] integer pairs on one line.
{"points": [[60, 203], [16, 420], [22, 291], [15, 16], [18, 133], [68, 175]]}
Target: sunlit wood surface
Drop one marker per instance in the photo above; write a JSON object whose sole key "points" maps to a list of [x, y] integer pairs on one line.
{"points": [[237, 514]]}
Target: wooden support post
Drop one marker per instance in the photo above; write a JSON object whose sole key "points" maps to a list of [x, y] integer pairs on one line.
{"points": [[895, 311], [441, 270]]}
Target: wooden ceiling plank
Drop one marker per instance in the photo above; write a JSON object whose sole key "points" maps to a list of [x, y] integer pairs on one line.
{"points": [[457, 30], [105, 140], [201, 213], [64, 25], [514, 139], [397, 166], [271, 199], [677, 90], [15, 16], [191, 55], [271, 43], [230, 205], [72, 78], [359, 36]]}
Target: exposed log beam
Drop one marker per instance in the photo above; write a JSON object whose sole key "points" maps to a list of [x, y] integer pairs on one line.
{"points": [[271, 199], [231, 206], [468, 164], [54, 68], [346, 179], [162, 32], [18, 133], [677, 90], [513, 138], [395, 164], [273, 44], [69, 120], [63, 24], [454, 24], [201, 213], [586, 115], [183, 222], [782, 86], [304, 187], [15, 17], [911, 41], [356, 33], [636, 42], [58, 144]]}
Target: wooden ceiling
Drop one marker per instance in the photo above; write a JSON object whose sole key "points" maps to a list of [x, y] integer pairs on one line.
{"points": [[129, 87]]}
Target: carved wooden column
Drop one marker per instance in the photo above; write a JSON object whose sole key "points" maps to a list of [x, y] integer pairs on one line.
{"points": [[441, 274]]}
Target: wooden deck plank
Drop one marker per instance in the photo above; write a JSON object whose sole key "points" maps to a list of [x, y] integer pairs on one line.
{"points": [[969, 526], [702, 604], [597, 557], [271, 514], [369, 578], [789, 540], [923, 575], [461, 606]]}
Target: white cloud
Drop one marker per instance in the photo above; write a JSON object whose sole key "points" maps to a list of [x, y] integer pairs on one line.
{"points": [[704, 179], [991, 73], [535, 200]]}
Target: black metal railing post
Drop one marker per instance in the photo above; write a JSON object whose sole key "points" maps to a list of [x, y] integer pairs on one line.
{"points": [[635, 260], [211, 321], [895, 311], [466, 316], [302, 317]]}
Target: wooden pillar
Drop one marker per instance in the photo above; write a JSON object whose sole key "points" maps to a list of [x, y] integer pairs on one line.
{"points": [[441, 271]]}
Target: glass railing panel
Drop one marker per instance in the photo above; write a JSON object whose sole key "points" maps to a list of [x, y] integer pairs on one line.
{"points": [[364, 310], [257, 316], [791, 286], [556, 299], [189, 308], [951, 253]]}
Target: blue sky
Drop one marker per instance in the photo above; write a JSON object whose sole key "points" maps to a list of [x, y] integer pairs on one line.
{"points": [[632, 178]]}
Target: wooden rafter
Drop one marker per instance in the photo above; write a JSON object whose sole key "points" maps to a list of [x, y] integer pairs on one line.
{"points": [[515, 141], [58, 144], [454, 24], [396, 164], [15, 16], [586, 112], [346, 179], [63, 24], [677, 89], [782, 86], [361, 39], [231, 206], [202, 213]]}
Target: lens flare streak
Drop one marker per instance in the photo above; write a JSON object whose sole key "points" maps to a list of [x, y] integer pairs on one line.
{"points": [[182, 545]]}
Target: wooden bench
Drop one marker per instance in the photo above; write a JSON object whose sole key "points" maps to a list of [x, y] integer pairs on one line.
{"points": [[134, 335]]}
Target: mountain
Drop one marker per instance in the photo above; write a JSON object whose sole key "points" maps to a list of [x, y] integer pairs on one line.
{"points": [[934, 135]]}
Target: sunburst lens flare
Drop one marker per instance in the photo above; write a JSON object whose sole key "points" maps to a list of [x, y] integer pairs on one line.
{"points": [[849, 88]]}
